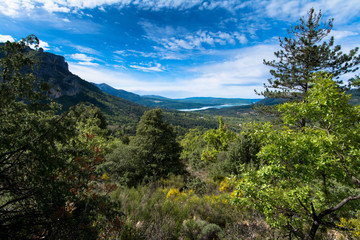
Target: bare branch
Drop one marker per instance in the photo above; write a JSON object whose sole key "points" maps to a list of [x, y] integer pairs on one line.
{"points": [[338, 206], [355, 179]]}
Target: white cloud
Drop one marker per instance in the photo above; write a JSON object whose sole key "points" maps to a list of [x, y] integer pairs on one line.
{"points": [[131, 52], [338, 35], [81, 57], [44, 45], [341, 11], [156, 68], [15, 7], [237, 77], [88, 63], [5, 38], [84, 59], [101, 74], [120, 52], [177, 39], [241, 38], [88, 50], [53, 6]]}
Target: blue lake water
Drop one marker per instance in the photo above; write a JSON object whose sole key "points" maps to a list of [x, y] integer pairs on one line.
{"points": [[208, 107]]}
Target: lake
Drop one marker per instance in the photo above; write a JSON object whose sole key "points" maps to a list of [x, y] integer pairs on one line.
{"points": [[208, 107]]}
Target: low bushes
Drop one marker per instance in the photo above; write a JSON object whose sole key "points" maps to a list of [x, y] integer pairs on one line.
{"points": [[169, 209]]}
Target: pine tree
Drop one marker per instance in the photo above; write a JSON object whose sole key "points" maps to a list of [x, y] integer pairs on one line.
{"points": [[157, 150], [304, 53]]}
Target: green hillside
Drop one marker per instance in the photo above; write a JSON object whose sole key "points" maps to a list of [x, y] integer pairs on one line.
{"points": [[149, 101], [69, 89]]}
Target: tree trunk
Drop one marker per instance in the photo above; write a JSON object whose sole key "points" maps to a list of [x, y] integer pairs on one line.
{"points": [[315, 226]]}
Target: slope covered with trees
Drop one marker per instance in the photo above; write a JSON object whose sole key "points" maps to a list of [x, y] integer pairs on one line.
{"points": [[48, 160], [63, 176]]}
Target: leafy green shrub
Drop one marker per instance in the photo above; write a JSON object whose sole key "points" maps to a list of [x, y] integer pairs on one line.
{"points": [[198, 185], [308, 180], [122, 167], [195, 161], [197, 229], [217, 140], [242, 154], [193, 144]]}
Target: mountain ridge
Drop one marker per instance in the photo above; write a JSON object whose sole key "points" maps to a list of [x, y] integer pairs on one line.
{"points": [[168, 103], [69, 89]]}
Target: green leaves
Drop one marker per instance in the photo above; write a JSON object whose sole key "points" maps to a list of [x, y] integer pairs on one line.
{"points": [[217, 140], [48, 161], [326, 106], [312, 169]]}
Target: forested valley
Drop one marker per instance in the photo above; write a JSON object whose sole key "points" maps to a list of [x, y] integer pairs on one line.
{"points": [[93, 169]]}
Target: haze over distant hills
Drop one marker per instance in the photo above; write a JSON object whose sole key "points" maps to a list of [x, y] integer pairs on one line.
{"points": [[167, 103]]}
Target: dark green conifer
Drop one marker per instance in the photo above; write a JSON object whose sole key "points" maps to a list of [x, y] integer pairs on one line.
{"points": [[303, 53], [156, 147]]}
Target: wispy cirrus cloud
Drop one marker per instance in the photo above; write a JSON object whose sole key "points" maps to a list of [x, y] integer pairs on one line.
{"points": [[83, 49], [338, 35], [15, 7], [83, 59], [277, 9], [131, 52], [149, 68], [175, 39], [236, 77], [294, 9]]}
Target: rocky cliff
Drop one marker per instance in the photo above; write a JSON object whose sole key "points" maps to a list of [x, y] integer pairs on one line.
{"points": [[54, 70]]}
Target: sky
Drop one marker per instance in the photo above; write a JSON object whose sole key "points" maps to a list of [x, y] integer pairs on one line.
{"points": [[172, 48]]}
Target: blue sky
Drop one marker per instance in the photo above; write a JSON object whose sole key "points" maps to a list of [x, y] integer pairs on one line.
{"points": [[172, 48]]}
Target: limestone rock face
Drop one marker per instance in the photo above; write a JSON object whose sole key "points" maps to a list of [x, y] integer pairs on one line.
{"points": [[54, 70]]}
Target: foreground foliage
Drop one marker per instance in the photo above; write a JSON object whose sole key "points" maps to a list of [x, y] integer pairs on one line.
{"points": [[162, 210], [311, 176], [151, 154], [63, 177], [49, 186]]}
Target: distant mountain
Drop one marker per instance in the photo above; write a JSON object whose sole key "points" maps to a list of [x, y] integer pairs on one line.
{"points": [[219, 101], [155, 97], [355, 96], [167, 103], [271, 101], [118, 92], [150, 100]]}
